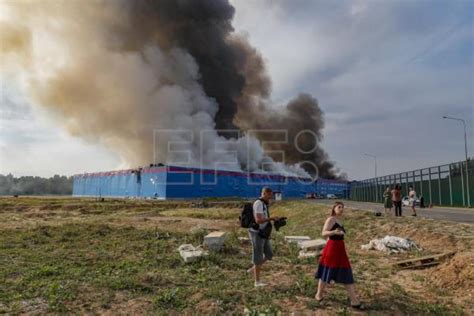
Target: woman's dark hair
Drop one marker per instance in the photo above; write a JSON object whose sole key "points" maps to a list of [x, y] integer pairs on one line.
{"points": [[333, 210]]}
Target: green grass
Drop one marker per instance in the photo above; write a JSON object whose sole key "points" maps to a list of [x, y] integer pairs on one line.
{"points": [[91, 265], [211, 213]]}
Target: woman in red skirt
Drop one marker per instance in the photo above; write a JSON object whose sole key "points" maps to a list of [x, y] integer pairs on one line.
{"points": [[334, 264]]}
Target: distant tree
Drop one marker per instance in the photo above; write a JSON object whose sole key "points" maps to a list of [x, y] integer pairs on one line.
{"points": [[29, 185]]}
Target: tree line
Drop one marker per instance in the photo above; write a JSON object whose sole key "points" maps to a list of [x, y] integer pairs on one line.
{"points": [[29, 185]]}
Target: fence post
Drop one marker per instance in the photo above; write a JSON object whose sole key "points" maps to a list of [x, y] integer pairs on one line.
{"points": [[468, 197], [439, 185], [368, 190], [421, 181], [376, 190], [406, 183], [450, 187], [371, 199], [429, 185], [462, 185], [363, 190]]}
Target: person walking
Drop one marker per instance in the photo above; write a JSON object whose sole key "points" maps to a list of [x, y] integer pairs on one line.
{"points": [[397, 199], [334, 264], [412, 199], [259, 235], [387, 200]]}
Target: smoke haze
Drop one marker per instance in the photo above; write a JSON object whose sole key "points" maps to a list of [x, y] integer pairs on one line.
{"points": [[113, 72]]}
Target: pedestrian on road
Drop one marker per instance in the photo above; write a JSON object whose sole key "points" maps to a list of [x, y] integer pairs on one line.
{"points": [[397, 199], [412, 199], [387, 200]]}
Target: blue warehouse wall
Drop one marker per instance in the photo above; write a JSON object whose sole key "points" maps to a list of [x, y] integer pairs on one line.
{"points": [[124, 183], [179, 182], [196, 183], [153, 183]]}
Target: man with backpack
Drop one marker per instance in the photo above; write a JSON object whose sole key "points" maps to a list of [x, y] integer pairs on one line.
{"points": [[259, 232]]}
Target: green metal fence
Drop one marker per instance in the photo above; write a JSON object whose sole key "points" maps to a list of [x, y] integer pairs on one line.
{"points": [[440, 185]]}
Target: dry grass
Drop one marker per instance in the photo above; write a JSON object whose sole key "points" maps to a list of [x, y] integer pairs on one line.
{"points": [[119, 256]]}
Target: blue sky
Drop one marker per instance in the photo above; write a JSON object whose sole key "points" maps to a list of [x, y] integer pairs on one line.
{"points": [[384, 72]]}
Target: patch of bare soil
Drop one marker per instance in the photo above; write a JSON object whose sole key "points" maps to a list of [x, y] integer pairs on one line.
{"points": [[122, 305], [455, 273], [456, 276]]}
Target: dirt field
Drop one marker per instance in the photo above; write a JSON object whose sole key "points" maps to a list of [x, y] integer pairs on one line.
{"points": [[119, 257]]}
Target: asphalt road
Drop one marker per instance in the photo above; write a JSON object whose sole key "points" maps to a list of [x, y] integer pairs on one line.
{"points": [[444, 213]]}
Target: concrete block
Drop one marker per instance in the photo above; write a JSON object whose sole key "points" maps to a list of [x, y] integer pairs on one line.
{"points": [[215, 240], [308, 254], [296, 239], [189, 253], [315, 244]]}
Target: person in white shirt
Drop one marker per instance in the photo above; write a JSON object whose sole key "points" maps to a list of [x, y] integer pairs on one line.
{"points": [[261, 246], [412, 199]]}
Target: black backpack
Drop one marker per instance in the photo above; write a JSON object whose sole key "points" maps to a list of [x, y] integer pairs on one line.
{"points": [[246, 216]]}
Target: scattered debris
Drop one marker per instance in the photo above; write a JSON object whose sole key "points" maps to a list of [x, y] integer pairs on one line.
{"points": [[391, 244], [200, 204], [189, 253], [296, 239], [162, 235], [315, 244], [423, 262], [215, 240]]}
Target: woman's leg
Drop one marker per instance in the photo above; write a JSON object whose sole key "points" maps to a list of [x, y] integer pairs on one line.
{"points": [[320, 292], [352, 294]]}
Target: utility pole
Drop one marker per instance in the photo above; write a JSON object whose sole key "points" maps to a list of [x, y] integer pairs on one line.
{"points": [[376, 181]]}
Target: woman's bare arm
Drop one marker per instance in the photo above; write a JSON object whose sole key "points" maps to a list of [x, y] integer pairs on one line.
{"points": [[327, 226]]}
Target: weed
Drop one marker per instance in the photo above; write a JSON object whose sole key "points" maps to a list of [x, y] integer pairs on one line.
{"points": [[170, 299]]}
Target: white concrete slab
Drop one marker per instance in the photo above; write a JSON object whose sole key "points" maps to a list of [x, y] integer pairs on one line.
{"points": [[296, 239], [315, 244]]}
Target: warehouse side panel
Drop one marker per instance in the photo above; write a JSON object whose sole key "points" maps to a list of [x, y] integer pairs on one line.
{"points": [[153, 183], [199, 183]]}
